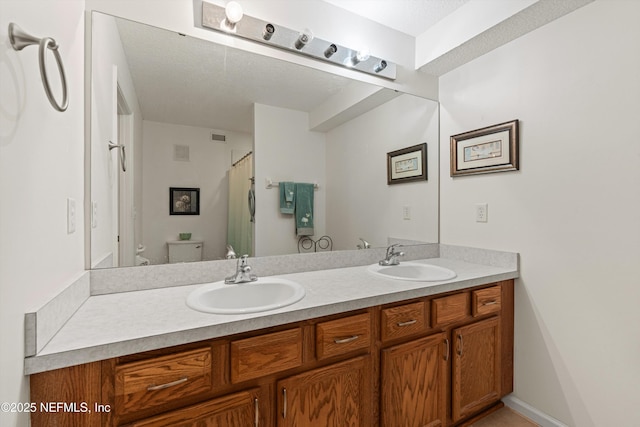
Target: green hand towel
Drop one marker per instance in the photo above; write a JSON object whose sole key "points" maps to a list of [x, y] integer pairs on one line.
{"points": [[287, 197], [304, 209]]}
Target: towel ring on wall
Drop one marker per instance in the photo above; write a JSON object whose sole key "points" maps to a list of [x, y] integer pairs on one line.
{"points": [[19, 40]]}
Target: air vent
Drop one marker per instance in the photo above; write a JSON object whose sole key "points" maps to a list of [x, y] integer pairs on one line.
{"points": [[181, 153], [216, 137]]}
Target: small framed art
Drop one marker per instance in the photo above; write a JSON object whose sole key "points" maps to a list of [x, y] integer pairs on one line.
{"points": [[407, 164], [184, 201], [490, 149]]}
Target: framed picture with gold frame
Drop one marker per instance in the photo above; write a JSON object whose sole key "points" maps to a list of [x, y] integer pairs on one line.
{"points": [[490, 149]]}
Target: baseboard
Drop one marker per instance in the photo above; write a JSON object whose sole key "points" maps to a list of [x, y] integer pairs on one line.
{"points": [[532, 413]]}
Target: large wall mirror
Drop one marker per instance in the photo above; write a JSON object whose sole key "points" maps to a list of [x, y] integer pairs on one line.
{"points": [[183, 130]]}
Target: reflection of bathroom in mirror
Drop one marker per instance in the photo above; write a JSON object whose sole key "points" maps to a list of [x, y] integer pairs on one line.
{"points": [[194, 114]]}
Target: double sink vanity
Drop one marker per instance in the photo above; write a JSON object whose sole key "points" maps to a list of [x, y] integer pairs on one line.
{"points": [[427, 342]]}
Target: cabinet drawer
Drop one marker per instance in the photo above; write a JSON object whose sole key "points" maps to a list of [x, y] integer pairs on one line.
{"points": [[403, 320], [238, 409], [486, 301], [150, 383], [450, 309], [265, 354], [343, 335]]}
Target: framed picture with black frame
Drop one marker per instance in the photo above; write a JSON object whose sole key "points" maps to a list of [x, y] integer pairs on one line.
{"points": [[184, 201], [407, 164]]}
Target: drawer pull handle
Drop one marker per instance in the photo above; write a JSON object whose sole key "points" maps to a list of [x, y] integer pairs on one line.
{"points": [[167, 385], [494, 302], [407, 323], [448, 349], [284, 403], [346, 340], [257, 412], [460, 345]]}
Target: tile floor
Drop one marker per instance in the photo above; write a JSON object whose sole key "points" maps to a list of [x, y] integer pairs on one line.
{"points": [[505, 417]]}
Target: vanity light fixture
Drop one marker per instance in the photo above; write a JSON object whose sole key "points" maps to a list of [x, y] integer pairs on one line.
{"points": [[233, 14], [268, 31], [380, 66], [360, 56], [305, 37], [227, 19], [328, 53]]}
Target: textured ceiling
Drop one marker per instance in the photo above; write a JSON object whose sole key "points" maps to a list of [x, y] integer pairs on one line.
{"points": [[175, 77], [411, 17]]}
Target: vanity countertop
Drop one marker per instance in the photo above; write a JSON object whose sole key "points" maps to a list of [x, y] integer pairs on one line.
{"points": [[112, 325]]}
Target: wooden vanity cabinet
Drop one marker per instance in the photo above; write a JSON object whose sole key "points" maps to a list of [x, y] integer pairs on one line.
{"points": [[332, 396], [442, 360], [237, 409], [460, 365], [476, 367], [413, 383]]}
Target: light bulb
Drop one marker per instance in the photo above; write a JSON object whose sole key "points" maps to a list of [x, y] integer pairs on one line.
{"points": [[305, 37], [234, 12], [268, 31], [362, 55], [380, 66], [330, 51]]}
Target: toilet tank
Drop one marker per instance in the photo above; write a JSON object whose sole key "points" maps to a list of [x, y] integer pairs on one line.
{"points": [[185, 251]]}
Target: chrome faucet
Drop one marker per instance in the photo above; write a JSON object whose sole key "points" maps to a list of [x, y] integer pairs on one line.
{"points": [[392, 256], [364, 245], [231, 254], [243, 272]]}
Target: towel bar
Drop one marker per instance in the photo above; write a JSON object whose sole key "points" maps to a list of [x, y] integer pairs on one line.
{"points": [[273, 184]]}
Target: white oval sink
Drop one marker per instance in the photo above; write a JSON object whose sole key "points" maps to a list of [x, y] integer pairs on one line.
{"points": [[262, 295], [414, 271]]}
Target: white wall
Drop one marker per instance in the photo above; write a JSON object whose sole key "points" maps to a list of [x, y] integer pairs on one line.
{"points": [[360, 203], [572, 211], [41, 165], [207, 169], [110, 69], [281, 135]]}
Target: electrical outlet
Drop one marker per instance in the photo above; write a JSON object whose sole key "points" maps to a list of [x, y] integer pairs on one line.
{"points": [[71, 216], [481, 212], [406, 212]]}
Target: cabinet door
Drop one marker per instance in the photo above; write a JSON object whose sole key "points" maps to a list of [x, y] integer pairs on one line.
{"points": [[413, 386], [337, 395], [238, 409], [476, 367]]}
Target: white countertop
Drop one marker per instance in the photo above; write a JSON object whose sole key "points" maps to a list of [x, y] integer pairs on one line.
{"points": [[112, 325]]}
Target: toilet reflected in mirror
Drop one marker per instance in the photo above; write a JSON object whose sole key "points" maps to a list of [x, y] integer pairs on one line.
{"points": [[185, 251]]}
